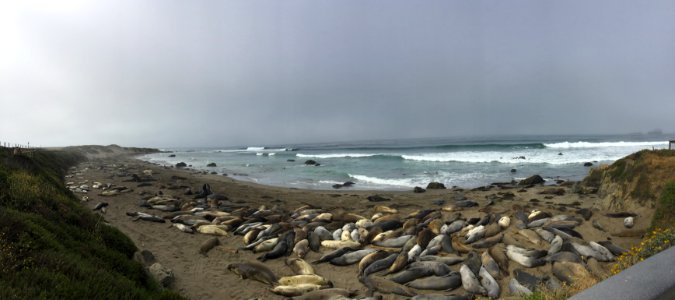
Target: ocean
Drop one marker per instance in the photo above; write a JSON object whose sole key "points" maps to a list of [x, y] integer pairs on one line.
{"points": [[403, 164]]}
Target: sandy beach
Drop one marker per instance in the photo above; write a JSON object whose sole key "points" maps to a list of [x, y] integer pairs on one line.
{"points": [[206, 277]]}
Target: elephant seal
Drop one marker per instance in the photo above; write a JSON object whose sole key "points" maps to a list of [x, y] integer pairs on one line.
{"points": [[301, 248], [603, 254], [371, 258], [339, 244], [439, 297], [253, 271], [475, 234], [385, 286], [556, 245], [333, 254], [499, 255], [525, 257], [379, 265], [279, 250], [616, 250], [545, 235], [570, 272], [304, 279], [448, 259], [326, 294], [490, 265], [299, 266], [489, 283], [470, 282], [447, 282], [488, 242], [314, 241], [399, 263], [504, 222], [207, 245], [351, 257], [295, 290], [410, 274], [563, 256], [517, 289], [394, 242]]}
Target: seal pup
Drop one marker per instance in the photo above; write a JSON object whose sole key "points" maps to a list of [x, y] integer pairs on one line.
{"points": [[489, 283], [339, 244], [470, 282], [253, 271], [504, 222], [299, 266], [616, 250], [394, 242], [629, 222], [475, 234], [399, 263], [447, 282]]}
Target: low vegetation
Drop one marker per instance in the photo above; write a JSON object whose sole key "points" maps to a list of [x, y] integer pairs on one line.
{"points": [[51, 247]]}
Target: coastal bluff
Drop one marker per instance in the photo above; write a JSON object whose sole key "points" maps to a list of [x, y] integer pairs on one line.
{"points": [[633, 182]]}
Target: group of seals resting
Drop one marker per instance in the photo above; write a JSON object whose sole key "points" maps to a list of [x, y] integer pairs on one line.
{"points": [[397, 253], [418, 255]]}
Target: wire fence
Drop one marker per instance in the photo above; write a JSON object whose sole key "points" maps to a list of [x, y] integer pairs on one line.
{"points": [[17, 149]]}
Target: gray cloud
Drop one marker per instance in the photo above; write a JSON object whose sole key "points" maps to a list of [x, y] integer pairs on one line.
{"points": [[177, 73]]}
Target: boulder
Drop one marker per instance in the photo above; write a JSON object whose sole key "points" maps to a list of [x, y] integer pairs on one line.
{"points": [[144, 257], [553, 191], [418, 190], [172, 155], [377, 198], [435, 186], [161, 274], [181, 165], [588, 164], [514, 170], [211, 164], [310, 162], [534, 179]]}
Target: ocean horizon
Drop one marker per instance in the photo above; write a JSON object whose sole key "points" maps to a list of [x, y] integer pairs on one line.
{"points": [[401, 164]]}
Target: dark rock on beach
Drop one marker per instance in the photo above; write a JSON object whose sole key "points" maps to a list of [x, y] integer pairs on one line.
{"points": [[377, 198], [534, 179], [181, 165], [310, 162], [588, 164], [435, 186], [211, 165], [172, 155], [418, 190]]}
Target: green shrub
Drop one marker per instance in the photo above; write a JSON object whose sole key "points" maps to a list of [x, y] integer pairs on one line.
{"points": [[53, 248]]}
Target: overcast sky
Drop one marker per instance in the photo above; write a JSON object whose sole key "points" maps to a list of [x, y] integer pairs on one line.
{"points": [[218, 73]]}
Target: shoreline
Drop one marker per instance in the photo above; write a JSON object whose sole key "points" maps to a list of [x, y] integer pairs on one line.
{"points": [[200, 277]]}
